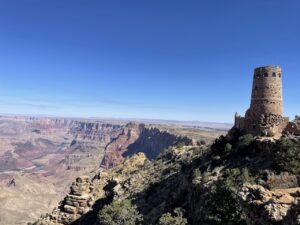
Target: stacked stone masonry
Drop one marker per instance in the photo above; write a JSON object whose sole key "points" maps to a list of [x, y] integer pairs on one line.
{"points": [[265, 115], [77, 203]]}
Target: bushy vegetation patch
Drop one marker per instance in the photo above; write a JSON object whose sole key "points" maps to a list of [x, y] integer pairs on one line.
{"points": [[223, 205], [120, 213], [236, 146], [286, 155], [175, 218]]}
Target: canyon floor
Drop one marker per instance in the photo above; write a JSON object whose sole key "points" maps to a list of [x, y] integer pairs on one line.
{"points": [[41, 157]]}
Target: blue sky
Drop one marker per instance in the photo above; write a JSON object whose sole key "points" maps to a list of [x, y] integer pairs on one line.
{"points": [[170, 59]]}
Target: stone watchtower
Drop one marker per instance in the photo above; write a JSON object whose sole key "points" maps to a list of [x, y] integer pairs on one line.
{"points": [[265, 115]]}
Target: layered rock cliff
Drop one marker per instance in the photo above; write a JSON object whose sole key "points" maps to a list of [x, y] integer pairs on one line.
{"points": [[137, 138], [239, 180], [78, 145], [56, 151]]}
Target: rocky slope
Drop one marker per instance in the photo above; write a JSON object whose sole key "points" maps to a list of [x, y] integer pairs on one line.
{"points": [[271, 206], [56, 151], [240, 179]]}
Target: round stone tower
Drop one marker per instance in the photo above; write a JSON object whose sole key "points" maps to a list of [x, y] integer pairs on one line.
{"points": [[266, 92], [265, 115]]}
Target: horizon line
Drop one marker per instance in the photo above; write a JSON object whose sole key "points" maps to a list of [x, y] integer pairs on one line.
{"points": [[111, 118]]}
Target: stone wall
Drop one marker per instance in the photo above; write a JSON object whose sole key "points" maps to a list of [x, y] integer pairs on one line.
{"points": [[266, 92], [265, 115], [268, 125]]}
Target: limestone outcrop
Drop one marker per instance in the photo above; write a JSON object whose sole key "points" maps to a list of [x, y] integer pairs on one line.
{"points": [[79, 199], [268, 207], [103, 187], [77, 203]]}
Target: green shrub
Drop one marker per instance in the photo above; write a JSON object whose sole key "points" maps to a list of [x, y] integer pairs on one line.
{"points": [[167, 154], [180, 145], [245, 175], [244, 146], [223, 205], [197, 150], [219, 145], [239, 145], [233, 178], [286, 155], [197, 176], [175, 218], [228, 149], [119, 213], [205, 177], [246, 140]]}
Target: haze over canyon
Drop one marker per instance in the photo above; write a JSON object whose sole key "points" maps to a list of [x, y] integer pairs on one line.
{"points": [[41, 157]]}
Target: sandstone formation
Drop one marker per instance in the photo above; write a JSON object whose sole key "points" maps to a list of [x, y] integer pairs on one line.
{"points": [[75, 204], [115, 149], [268, 207], [140, 138], [56, 151], [84, 192]]}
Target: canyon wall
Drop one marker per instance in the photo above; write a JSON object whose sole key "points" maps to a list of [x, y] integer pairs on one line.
{"points": [[35, 151]]}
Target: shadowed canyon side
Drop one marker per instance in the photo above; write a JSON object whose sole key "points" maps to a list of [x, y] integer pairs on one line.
{"points": [[41, 157], [250, 176], [139, 138], [39, 154], [115, 149], [75, 145]]}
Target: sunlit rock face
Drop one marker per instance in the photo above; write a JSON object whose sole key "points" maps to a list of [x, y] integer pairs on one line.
{"points": [[48, 152]]}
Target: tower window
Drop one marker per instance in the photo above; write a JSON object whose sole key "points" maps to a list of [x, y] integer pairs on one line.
{"points": [[279, 74], [266, 74], [258, 75], [273, 74]]}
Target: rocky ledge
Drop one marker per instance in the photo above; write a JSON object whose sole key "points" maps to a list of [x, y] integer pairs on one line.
{"points": [[77, 203], [270, 207], [84, 191]]}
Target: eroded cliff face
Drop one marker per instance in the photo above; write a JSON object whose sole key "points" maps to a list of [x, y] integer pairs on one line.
{"points": [[42, 152], [137, 138], [120, 144], [43, 142], [232, 182], [152, 141], [154, 186], [56, 151]]}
